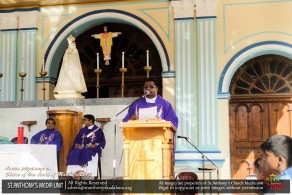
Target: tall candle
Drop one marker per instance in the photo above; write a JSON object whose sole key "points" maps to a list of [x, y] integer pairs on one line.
{"points": [[97, 60], [147, 58], [123, 59], [22, 65], [20, 135], [43, 67]]}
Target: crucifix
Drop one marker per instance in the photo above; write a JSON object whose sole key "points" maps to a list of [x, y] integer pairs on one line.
{"points": [[106, 42]]}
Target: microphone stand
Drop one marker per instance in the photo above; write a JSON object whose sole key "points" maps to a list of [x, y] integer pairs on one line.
{"points": [[203, 163], [115, 132]]}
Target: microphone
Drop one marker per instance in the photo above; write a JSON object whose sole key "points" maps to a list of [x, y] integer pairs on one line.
{"points": [[146, 93], [181, 137]]}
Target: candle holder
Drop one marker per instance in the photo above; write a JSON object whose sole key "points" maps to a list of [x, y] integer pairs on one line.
{"points": [[1, 75], [22, 75], [123, 71], [43, 75], [147, 69], [97, 72], [103, 121], [28, 123]]}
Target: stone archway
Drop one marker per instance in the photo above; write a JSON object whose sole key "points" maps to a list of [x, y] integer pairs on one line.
{"points": [[250, 52], [260, 106], [79, 25]]}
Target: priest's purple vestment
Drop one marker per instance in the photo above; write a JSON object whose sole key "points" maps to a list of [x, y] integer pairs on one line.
{"points": [[164, 109], [48, 136], [82, 155]]}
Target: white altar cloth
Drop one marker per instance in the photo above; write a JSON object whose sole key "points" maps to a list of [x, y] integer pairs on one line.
{"points": [[27, 162]]}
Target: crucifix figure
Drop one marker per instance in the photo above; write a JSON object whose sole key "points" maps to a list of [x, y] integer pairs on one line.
{"points": [[83, 137], [106, 42]]}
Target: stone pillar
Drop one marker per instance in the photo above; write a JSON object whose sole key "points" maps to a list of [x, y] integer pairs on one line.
{"points": [[196, 72], [18, 52], [186, 90], [8, 55], [207, 73]]}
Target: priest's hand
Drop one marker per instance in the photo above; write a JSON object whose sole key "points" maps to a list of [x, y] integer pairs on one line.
{"points": [[91, 145], [134, 117], [79, 146]]}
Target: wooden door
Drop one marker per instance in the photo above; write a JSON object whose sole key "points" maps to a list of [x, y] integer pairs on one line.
{"points": [[260, 106], [281, 117], [250, 125], [248, 129]]}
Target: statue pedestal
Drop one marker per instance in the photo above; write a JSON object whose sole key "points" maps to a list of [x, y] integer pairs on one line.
{"points": [[69, 95]]}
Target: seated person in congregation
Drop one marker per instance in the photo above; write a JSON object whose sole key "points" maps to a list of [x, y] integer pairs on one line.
{"points": [[162, 108], [276, 158], [49, 136], [276, 155], [83, 156], [258, 169]]}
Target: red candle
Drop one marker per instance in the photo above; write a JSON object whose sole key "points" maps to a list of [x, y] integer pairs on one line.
{"points": [[20, 135]]}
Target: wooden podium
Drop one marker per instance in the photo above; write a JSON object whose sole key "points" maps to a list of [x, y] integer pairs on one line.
{"points": [[148, 149]]}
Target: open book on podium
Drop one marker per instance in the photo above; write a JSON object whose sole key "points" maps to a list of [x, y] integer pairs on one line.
{"points": [[148, 149]]}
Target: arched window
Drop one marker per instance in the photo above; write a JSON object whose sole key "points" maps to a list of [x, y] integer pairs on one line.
{"points": [[268, 74]]}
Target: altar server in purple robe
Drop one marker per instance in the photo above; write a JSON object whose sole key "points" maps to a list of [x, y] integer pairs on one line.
{"points": [[83, 156], [152, 101], [49, 136]]}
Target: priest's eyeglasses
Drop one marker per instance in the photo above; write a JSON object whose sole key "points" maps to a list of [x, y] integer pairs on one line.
{"points": [[149, 86]]}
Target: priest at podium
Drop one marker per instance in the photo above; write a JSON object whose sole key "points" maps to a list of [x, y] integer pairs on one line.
{"points": [[151, 106]]}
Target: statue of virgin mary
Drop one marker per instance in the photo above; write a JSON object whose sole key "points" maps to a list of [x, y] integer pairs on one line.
{"points": [[71, 81]]}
